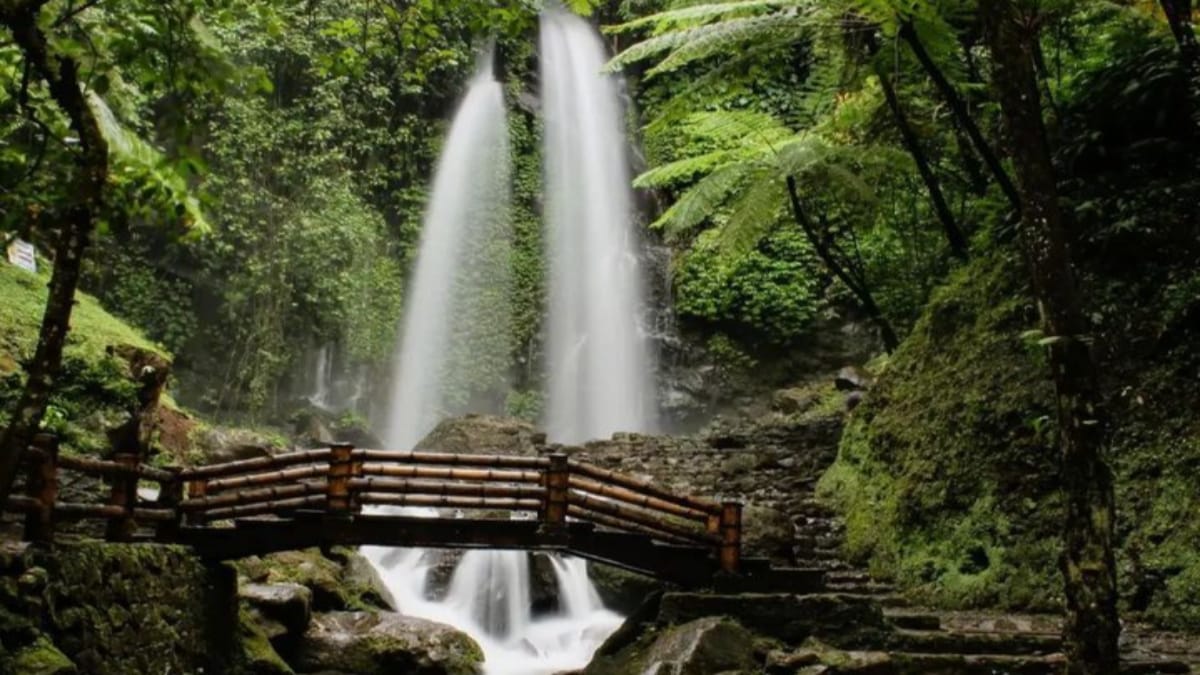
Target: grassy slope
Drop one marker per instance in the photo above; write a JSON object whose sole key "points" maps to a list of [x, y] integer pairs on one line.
{"points": [[94, 389]]}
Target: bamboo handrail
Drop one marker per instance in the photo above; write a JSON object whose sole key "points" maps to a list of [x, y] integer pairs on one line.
{"points": [[485, 475], [643, 501], [257, 464], [452, 459], [243, 497], [264, 508], [440, 501], [78, 511], [638, 516], [434, 487], [106, 469], [604, 475], [617, 524], [261, 479]]}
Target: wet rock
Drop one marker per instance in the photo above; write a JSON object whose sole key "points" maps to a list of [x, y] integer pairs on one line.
{"points": [[288, 604], [817, 657], [841, 620], [769, 534], [482, 434], [706, 646], [361, 575], [362, 643], [851, 378], [794, 400], [217, 445], [621, 590]]}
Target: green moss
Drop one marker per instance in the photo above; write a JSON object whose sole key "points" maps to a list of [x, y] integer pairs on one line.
{"points": [[258, 656], [947, 472], [42, 658]]}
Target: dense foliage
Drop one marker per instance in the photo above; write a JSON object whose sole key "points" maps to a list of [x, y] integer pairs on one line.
{"points": [[806, 163]]}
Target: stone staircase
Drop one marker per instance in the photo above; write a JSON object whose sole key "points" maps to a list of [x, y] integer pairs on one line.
{"points": [[933, 641]]}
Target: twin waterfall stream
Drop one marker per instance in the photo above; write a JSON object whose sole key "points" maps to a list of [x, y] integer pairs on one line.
{"points": [[597, 366]]}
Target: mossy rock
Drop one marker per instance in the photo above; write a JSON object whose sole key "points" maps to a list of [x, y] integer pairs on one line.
{"points": [[706, 646], [338, 581], [367, 643], [947, 473]]}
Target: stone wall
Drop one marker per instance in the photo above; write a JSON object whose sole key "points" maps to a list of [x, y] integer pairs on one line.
{"points": [[116, 609]]}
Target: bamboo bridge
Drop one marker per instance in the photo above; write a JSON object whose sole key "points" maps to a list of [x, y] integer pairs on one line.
{"points": [[347, 496]]}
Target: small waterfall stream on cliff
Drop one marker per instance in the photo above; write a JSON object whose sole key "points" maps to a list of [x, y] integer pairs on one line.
{"points": [[489, 595], [599, 366]]}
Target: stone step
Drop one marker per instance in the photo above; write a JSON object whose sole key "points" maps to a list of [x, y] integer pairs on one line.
{"points": [[861, 588], [962, 642], [890, 601], [989, 664], [914, 620], [814, 542], [848, 577]]}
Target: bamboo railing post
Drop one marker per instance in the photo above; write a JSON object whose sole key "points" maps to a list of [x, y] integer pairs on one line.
{"points": [[123, 495], [197, 489], [170, 495], [557, 483], [338, 485], [42, 485], [356, 471], [731, 537]]}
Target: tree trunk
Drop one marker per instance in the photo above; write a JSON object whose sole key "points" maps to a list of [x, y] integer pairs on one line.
{"points": [[886, 333], [1179, 15], [959, 107], [954, 235], [61, 75], [1091, 629]]}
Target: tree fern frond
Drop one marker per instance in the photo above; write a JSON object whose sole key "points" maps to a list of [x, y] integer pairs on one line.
{"points": [[686, 168], [754, 213], [712, 39], [696, 14], [703, 199], [127, 149], [738, 126]]}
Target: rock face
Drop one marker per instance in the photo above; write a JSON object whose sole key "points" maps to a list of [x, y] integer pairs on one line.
{"points": [[483, 434], [362, 643], [285, 608], [705, 646]]}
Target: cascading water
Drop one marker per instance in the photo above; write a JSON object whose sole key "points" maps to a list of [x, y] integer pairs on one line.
{"points": [[462, 264], [489, 594], [599, 366]]}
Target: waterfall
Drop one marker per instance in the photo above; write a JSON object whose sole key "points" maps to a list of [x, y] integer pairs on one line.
{"points": [[598, 363], [489, 598], [322, 380], [461, 267], [599, 366]]}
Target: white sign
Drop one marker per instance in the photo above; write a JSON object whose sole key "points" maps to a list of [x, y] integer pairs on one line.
{"points": [[23, 255]]}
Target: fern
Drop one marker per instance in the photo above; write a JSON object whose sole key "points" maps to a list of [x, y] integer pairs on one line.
{"points": [[678, 18], [703, 199], [130, 151], [754, 214]]}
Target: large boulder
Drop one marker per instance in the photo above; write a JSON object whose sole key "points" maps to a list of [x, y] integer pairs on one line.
{"points": [[483, 434], [285, 609], [217, 445], [384, 643], [621, 590], [707, 646]]}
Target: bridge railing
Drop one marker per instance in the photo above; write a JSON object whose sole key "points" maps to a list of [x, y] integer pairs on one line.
{"points": [[341, 480]]}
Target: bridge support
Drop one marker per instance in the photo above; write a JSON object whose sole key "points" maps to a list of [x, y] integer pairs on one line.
{"points": [[42, 485], [557, 482], [123, 496], [731, 537]]}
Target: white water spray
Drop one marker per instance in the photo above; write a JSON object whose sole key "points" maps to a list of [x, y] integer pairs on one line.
{"points": [[599, 366], [462, 261]]}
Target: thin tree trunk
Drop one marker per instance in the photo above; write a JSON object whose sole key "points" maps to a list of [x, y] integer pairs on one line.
{"points": [[1091, 628], [856, 286], [954, 235], [1179, 16], [959, 107], [61, 74]]}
